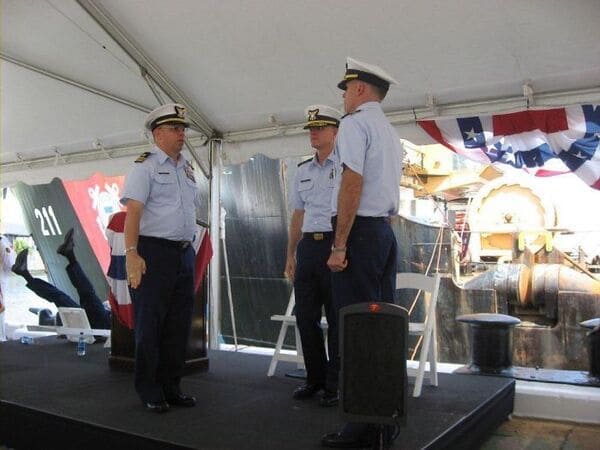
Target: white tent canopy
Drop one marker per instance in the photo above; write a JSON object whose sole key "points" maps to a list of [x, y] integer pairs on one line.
{"points": [[79, 76], [74, 96]]}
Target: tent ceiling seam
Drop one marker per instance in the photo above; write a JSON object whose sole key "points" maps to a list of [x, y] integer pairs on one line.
{"points": [[411, 115], [555, 99], [134, 50], [96, 153], [74, 83]]}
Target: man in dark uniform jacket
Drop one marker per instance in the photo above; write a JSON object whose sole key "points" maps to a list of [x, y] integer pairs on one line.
{"points": [[97, 314]]}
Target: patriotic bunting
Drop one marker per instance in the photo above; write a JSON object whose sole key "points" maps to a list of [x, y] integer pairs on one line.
{"points": [[118, 296], [542, 142]]}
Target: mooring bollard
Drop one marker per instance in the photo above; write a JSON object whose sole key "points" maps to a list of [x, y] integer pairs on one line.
{"points": [[491, 341], [593, 345]]}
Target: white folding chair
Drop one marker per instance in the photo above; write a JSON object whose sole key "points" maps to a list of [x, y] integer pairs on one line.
{"points": [[74, 322], [429, 286], [287, 320]]}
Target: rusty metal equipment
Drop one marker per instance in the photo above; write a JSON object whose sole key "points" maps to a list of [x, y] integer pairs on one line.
{"points": [[548, 293], [593, 346], [491, 341]]}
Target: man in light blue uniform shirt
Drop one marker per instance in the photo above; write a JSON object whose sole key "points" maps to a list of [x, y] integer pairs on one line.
{"points": [[309, 244], [161, 197], [363, 257]]}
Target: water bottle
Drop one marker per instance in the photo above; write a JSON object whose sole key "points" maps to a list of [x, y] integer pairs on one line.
{"points": [[27, 340], [81, 345]]}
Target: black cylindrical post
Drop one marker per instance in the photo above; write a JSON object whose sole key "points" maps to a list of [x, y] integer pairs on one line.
{"points": [[593, 345], [491, 341]]}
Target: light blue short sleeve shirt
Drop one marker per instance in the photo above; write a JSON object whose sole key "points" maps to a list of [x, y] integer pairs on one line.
{"points": [[368, 144], [169, 193], [312, 192]]}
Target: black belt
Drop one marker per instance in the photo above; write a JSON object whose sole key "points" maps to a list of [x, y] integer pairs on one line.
{"points": [[179, 245], [386, 219], [372, 219], [319, 235]]}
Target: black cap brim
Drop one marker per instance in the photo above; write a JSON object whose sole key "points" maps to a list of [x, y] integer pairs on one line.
{"points": [[170, 121], [353, 74]]}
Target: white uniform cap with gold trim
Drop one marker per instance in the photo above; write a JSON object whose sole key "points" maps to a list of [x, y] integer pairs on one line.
{"points": [[173, 113], [369, 73], [322, 116]]}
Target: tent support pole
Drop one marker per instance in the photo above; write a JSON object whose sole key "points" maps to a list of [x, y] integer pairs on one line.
{"points": [[75, 83], [215, 148], [136, 53]]}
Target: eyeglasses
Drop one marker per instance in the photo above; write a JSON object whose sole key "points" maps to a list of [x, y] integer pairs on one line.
{"points": [[176, 128]]}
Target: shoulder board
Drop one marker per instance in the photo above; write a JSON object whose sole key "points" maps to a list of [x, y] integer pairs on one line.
{"points": [[143, 157], [304, 162], [349, 114]]}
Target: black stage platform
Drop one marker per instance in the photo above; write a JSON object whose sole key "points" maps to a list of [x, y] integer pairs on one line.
{"points": [[52, 399]]}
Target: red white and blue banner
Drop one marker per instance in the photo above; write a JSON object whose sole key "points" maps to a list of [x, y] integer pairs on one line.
{"points": [[118, 290], [118, 295], [542, 142]]}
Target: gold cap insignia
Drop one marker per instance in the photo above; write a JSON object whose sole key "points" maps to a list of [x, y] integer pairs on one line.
{"points": [[312, 114], [180, 111]]}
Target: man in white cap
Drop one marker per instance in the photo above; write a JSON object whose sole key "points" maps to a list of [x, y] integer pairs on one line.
{"points": [[363, 257], [309, 244], [161, 197]]}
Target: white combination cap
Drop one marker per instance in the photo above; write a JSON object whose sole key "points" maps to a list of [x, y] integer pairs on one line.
{"points": [[322, 116], [369, 73], [164, 114]]}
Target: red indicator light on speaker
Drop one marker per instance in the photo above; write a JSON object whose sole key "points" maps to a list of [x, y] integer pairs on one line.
{"points": [[374, 307]]}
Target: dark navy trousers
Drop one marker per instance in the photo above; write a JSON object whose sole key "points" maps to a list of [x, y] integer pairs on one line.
{"points": [[312, 286], [370, 276], [97, 314], [162, 306], [372, 264]]}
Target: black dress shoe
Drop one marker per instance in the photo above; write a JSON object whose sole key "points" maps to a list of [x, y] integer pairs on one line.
{"points": [[339, 440], [157, 407], [20, 265], [182, 400], [66, 248], [329, 398], [306, 390]]}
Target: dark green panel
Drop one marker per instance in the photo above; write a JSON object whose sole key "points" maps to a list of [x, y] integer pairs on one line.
{"points": [[254, 196], [256, 247], [48, 211], [255, 301], [254, 189]]}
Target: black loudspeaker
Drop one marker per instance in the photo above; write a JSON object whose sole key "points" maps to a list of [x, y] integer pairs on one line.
{"points": [[373, 351]]}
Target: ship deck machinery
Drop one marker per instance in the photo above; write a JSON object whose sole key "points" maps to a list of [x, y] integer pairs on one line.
{"points": [[514, 269]]}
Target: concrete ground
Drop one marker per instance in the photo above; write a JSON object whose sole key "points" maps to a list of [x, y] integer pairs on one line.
{"points": [[520, 433]]}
